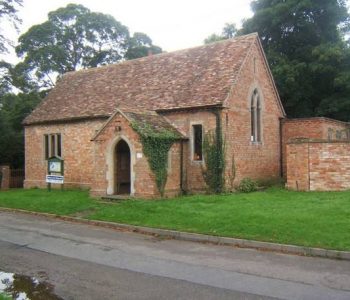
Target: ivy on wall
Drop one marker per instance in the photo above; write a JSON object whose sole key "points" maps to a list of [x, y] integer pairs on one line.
{"points": [[156, 145], [214, 160]]}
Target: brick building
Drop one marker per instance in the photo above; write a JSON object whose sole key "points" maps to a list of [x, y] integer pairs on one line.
{"points": [[87, 120]]}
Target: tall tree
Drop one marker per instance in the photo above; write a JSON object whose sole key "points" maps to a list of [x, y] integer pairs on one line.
{"points": [[72, 38], [229, 31], [304, 43], [13, 109], [140, 45], [8, 14], [5, 78]]}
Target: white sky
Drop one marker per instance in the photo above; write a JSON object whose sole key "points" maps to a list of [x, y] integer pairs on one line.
{"points": [[171, 25]]}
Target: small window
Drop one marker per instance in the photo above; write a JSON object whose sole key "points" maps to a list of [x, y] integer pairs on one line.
{"points": [[338, 135], [197, 142], [46, 146], [52, 145], [58, 145], [330, 134]]}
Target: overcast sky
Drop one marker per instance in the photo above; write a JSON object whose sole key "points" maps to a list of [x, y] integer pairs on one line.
{"points": [[171, 25]]}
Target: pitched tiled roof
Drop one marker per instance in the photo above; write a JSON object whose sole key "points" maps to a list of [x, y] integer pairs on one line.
{"points": [[193, 77], [145, 120], [153, 121]]}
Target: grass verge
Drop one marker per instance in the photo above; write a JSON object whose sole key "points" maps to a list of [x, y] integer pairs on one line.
{"points": [[55, 202], [313, 219], [4, 296]]}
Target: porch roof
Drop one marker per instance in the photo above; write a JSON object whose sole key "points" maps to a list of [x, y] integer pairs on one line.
{"points": [[145, 120]]}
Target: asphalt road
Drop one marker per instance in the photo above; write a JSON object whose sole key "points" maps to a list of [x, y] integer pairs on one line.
{"points": [[87, 262]]}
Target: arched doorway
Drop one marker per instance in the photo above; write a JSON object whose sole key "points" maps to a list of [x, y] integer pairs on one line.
{"points": [[122, 168]]}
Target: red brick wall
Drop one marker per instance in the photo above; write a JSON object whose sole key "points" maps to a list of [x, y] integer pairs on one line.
{"points": [[142, 178], [183, 121], [5, 177], [297, 161], [86, 161], [254, 160], [318, 165], [311, 128], [77, 152]]}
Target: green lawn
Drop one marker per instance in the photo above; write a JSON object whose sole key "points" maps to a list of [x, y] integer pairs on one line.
{"points": [[56, 201], [4, 296], [276, 215]]}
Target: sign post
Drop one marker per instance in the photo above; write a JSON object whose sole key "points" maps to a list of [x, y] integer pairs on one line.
{"points": [[55, 170]]}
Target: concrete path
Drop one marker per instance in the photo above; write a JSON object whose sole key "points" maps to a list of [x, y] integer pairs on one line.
{"points": [[109, 264]]}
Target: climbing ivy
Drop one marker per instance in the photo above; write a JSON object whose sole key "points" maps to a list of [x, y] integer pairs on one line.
{"points": [[214, 158], [156, 145]]}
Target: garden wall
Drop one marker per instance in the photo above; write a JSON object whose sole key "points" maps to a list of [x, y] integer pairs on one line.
{"points": [[318, 165], [4, 177], [312, 128]]}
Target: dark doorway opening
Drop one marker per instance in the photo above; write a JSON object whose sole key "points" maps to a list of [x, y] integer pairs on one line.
{"points": [[122, 169]]}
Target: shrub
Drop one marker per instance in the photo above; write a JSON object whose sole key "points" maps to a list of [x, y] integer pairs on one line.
{"points": [[214, 159], [156, 144], [247, 185]]}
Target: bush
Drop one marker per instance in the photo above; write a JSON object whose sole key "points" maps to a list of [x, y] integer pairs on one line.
{"points": [[247, 185]]}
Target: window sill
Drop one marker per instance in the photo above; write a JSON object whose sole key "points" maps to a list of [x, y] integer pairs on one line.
{"points": [[198, 162], [256, 143]]}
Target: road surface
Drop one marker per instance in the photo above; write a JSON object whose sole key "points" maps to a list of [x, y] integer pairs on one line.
{"points": [[88, 262]]}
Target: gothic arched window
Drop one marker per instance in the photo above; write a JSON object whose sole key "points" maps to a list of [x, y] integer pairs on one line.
{"points": [[255, 117]]}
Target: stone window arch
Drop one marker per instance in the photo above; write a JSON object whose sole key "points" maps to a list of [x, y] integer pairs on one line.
{"points": [[255, 116]]}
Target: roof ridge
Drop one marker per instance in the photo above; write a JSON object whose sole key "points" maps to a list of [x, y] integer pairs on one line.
{"points": [[124, 62], [194, 77]]}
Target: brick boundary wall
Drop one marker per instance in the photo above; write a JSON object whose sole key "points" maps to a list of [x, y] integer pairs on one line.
{"points": [[5, 177], [318, 165], [311, 128]]}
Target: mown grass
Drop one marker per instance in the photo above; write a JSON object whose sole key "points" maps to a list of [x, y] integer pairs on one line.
{"points": [[55, 202], [4, 296], [315, 219]]}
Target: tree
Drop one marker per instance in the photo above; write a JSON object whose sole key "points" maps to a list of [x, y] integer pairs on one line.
{"points": [[5, 78], [8, 13], [13, 109], [140, 45], [213, 38], [229, 31], [72, 38], [309, 58]]}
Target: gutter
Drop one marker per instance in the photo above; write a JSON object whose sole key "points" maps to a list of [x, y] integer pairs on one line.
{"points": [[201, 107], [63, 121]]}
